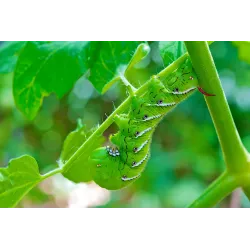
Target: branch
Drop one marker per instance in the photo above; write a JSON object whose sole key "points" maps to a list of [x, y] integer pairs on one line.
{"points": [[235, 155], [218, 190]]}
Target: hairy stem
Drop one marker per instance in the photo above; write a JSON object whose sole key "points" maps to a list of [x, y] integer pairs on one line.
{"points": [[234, 152]]}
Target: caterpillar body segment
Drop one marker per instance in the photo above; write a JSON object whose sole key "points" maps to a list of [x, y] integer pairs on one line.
{"points": [[105, 169], [130, 143], [120, 166], [131, 128]]}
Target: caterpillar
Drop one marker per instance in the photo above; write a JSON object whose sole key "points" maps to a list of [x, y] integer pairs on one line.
{"points": [[114, 167]]}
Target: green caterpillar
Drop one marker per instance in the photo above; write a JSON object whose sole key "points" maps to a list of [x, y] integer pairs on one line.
{"points": [[118, 166]]}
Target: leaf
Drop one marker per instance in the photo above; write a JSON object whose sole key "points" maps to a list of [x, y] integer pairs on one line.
{"points": [[79, 171], [111, 60], [137, 64], [171, 50], [9, 52], [17, 179], [141, 52], [47, 67], [243, 50]]}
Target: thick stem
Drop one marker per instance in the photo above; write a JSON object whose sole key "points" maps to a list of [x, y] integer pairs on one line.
{"points": [[234, 153], [218, 190]]}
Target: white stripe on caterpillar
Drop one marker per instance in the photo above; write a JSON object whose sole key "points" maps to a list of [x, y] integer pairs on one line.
{"points": [[140, 162], [143, 132], [136, 150], [125, 178], [162, 104], [183, 92], [151, 117]]}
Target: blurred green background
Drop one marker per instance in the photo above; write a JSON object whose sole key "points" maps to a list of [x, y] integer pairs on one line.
{"points": [[185, 156]]}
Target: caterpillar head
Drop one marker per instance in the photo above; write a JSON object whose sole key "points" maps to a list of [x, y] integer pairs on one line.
{"points": [[105, 170]]}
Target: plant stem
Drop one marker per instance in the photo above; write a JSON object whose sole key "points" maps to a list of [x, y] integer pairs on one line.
{"points": [[234, 153], [218, 190], [52, 172]]}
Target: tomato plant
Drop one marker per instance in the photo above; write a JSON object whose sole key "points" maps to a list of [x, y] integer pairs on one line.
{"points": [[37, 70]]}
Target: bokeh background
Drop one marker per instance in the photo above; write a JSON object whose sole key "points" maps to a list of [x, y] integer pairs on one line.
{"points": [[185, 156]]}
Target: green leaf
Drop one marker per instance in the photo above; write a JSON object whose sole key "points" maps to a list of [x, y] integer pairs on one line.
{"points": [[170, 51], [138, 62], [243, 50], [47, 67], [111, 61], [9, 52], [17, 179], [79, 171], [141, 52]]}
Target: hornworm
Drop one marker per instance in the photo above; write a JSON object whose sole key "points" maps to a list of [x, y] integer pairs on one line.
{"points": [[114, 167]]}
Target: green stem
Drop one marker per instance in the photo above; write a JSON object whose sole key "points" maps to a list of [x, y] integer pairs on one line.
{"points": [[52, 172], [221, 187], [218, 190], [234, 153]]}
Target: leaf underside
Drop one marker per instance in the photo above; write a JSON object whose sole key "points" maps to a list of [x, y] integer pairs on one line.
{"points": [[111, 61], [21, 175], [79, 171], [47, 67]]}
